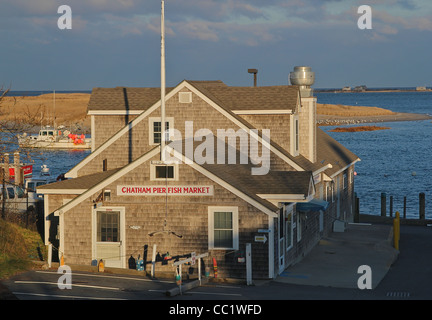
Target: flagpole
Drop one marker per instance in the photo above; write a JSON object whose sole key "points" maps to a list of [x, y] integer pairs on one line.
{"points": [[162, 80]]}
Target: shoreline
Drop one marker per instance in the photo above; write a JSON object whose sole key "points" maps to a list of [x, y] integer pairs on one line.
{"points": [[331, 120], [70, 109]]}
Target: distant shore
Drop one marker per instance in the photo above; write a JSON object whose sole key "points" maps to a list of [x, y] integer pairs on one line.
{"points": [[70, 109]]}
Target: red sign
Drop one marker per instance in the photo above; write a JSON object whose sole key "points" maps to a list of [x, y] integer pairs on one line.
{"points": [[27, 169]]}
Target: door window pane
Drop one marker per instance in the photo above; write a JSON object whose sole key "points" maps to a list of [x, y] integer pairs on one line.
{"points": [[108, 224]]}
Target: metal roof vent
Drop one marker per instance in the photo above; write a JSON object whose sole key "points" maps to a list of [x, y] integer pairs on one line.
{"points": [[303, 77]]}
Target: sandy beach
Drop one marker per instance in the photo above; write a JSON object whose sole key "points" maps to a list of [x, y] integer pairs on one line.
{"points": [[71, 109]]}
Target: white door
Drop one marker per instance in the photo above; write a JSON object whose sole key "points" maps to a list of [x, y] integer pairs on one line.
{"points": [[108, 236]]}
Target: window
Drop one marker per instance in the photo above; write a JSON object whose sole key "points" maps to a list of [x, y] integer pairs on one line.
{"points": [[20, 192], [156, 130], [108, 224], [107, 195], [294, 135], [31, 187], [223, 228], [163, 172], [11, 193]]}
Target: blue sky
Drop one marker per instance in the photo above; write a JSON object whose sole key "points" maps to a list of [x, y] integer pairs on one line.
{"points": [[117, 43]]}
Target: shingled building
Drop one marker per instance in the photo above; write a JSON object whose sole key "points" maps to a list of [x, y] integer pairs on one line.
{"points": [[122, 199]]}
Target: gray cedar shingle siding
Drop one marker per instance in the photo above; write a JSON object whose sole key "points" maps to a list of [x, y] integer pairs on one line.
{"points": [[185, 215]]}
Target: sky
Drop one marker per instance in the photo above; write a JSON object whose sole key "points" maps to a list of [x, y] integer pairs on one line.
{"points": [[117, 43]]}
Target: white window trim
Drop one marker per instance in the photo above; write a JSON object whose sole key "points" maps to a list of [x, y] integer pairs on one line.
{"points": [[152, 120], [211, 211], [153, 172]]}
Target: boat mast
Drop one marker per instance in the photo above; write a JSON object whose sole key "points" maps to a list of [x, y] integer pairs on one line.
{"points": [[54, 114]]}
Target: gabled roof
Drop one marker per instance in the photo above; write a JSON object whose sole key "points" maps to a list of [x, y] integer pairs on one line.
{"points": [[251, 98], [232, 98], [77, 185], [330, 151], [123, 98]]}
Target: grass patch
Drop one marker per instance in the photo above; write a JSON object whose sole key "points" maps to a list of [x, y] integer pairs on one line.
{"points": [[18, 247], [351, 111]]}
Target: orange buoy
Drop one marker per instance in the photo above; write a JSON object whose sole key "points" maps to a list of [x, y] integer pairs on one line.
{"points": [[101, 267], [215, 267]]}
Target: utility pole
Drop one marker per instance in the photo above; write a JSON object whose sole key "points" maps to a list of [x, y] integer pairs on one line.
{"points": [[162, 80]]}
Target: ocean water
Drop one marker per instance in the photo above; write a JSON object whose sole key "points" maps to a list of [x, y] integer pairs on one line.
{"points": [[395, 161]]}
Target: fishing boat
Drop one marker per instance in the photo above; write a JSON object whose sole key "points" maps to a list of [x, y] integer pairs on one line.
{"points": [[54, 138]]}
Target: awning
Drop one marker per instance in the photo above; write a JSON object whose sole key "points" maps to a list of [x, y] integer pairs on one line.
{"points": [[313, 205]]}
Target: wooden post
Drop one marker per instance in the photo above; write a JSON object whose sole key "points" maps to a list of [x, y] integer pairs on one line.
{"points": [[383, 204], [153, 261], [49, 255], [404, 207], [422, 205], [396, 231], [391, 206], [248, 264], [357, 210]]}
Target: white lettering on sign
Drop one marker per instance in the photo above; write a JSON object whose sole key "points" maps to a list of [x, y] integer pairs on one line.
{"points": [[163, 190]]}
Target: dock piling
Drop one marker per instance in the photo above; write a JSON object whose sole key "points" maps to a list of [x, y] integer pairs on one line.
{"points": [[383, 204], [422, 205]]}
